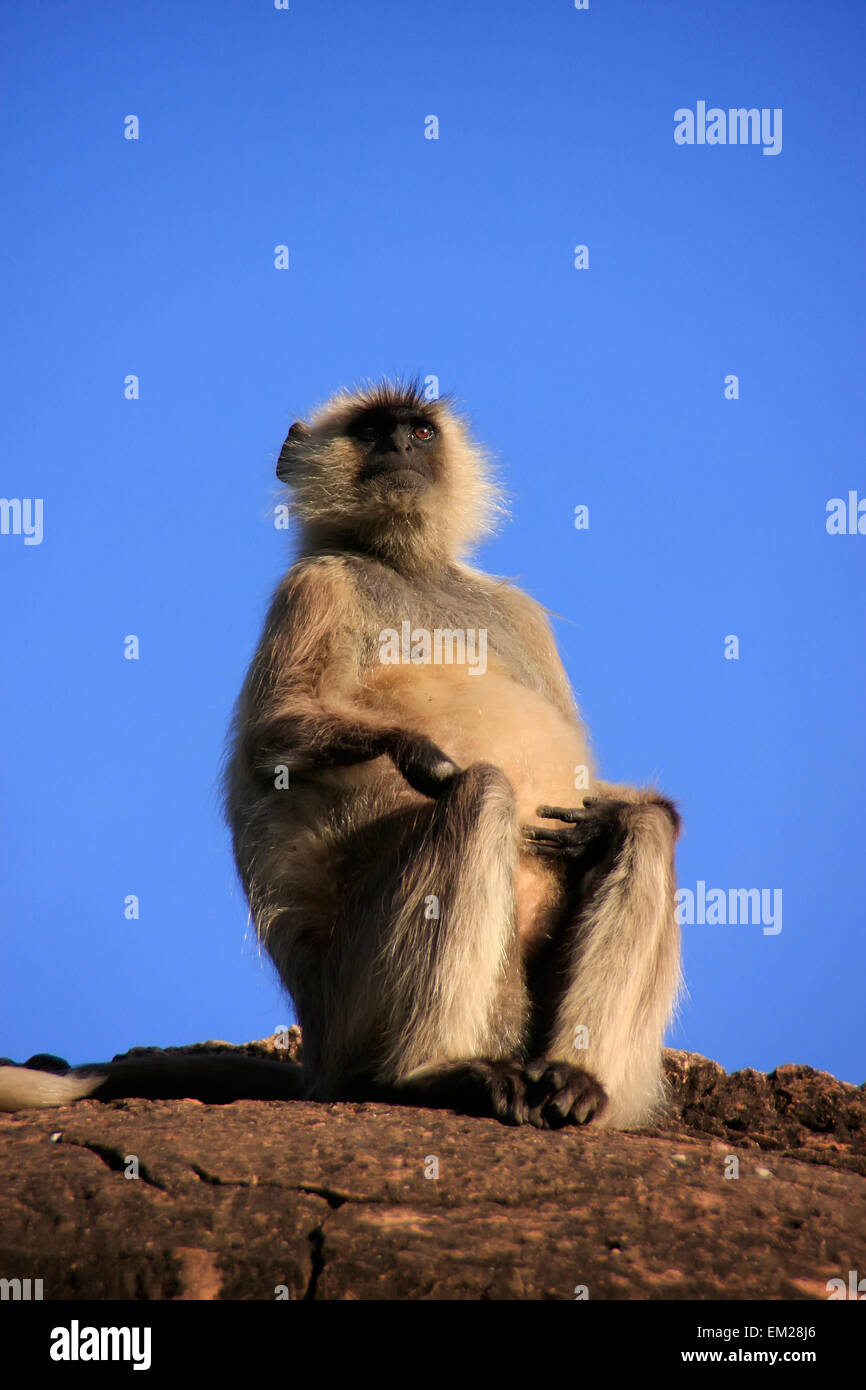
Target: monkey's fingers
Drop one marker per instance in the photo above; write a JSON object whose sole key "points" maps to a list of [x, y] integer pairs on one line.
{"points": [[577, 840], [550, 844], [570, 814], [543, 835]]}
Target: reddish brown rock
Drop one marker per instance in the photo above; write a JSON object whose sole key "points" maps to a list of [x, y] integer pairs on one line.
{"points": [[339, 1201]]}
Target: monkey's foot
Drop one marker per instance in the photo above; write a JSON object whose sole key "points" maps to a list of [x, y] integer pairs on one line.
{"points": [[545, 1094]]}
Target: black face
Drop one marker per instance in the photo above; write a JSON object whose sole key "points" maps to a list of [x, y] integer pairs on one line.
{"points": [[397, 445]]}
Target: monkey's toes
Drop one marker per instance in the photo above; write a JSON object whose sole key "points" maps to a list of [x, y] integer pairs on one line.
{"points": [[506, 1087], [561, 1094]]}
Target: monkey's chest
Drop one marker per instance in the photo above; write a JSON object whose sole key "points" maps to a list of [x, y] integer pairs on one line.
{"points": [[484, 715]]}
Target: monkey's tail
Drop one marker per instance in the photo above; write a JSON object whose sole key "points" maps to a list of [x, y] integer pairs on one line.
{"points": [[215, 1079], [24, 1089]]}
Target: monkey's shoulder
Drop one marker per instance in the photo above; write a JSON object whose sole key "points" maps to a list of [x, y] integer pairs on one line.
{"points": [[317, 589], [319, 573], [453, 588], [507, 596], [374, 587], [332, 592]]}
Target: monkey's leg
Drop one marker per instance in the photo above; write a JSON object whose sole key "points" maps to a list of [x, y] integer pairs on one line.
{"points": [[451, 983], [607, 986], [435, 969]]}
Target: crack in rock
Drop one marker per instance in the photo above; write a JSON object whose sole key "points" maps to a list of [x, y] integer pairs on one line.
{"points": [[317, 1260], [215, 1180], [115, 1160], [334, 1199]]}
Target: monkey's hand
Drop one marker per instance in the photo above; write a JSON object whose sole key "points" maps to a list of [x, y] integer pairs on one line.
{"points": [[425, 767], [589, 832]]}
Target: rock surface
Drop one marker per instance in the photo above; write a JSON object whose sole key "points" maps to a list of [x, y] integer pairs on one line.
{"points": [[258, 1200]]}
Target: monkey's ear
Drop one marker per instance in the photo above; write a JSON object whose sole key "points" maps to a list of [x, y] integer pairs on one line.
{"points": [[298, 432]]}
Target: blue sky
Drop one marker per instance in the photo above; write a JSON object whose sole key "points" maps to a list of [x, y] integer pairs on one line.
{"points": [[602, 386]]}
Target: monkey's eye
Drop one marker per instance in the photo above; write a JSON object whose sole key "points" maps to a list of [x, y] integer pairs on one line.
{"points": [[368, 433], [424, 432]]}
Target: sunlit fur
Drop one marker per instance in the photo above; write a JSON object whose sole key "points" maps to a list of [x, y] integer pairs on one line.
{"points": [[433, 948], [339, 868]]}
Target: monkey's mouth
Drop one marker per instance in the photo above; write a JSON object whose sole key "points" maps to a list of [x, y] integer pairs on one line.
{"points": [[398, 470]]}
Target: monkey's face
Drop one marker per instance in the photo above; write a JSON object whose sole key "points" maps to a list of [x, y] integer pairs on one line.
{"points": [[397, 452], [380, 460], [382, 465]]}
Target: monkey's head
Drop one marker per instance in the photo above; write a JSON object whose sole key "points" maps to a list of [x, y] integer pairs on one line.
{"points": [[384, 470]]}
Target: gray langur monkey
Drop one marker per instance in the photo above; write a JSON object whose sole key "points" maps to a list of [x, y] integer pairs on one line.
{"points": [[457, 926]]}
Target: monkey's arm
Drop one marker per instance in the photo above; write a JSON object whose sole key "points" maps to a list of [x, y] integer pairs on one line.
{"points": [[306, 736], [297, 707]]}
